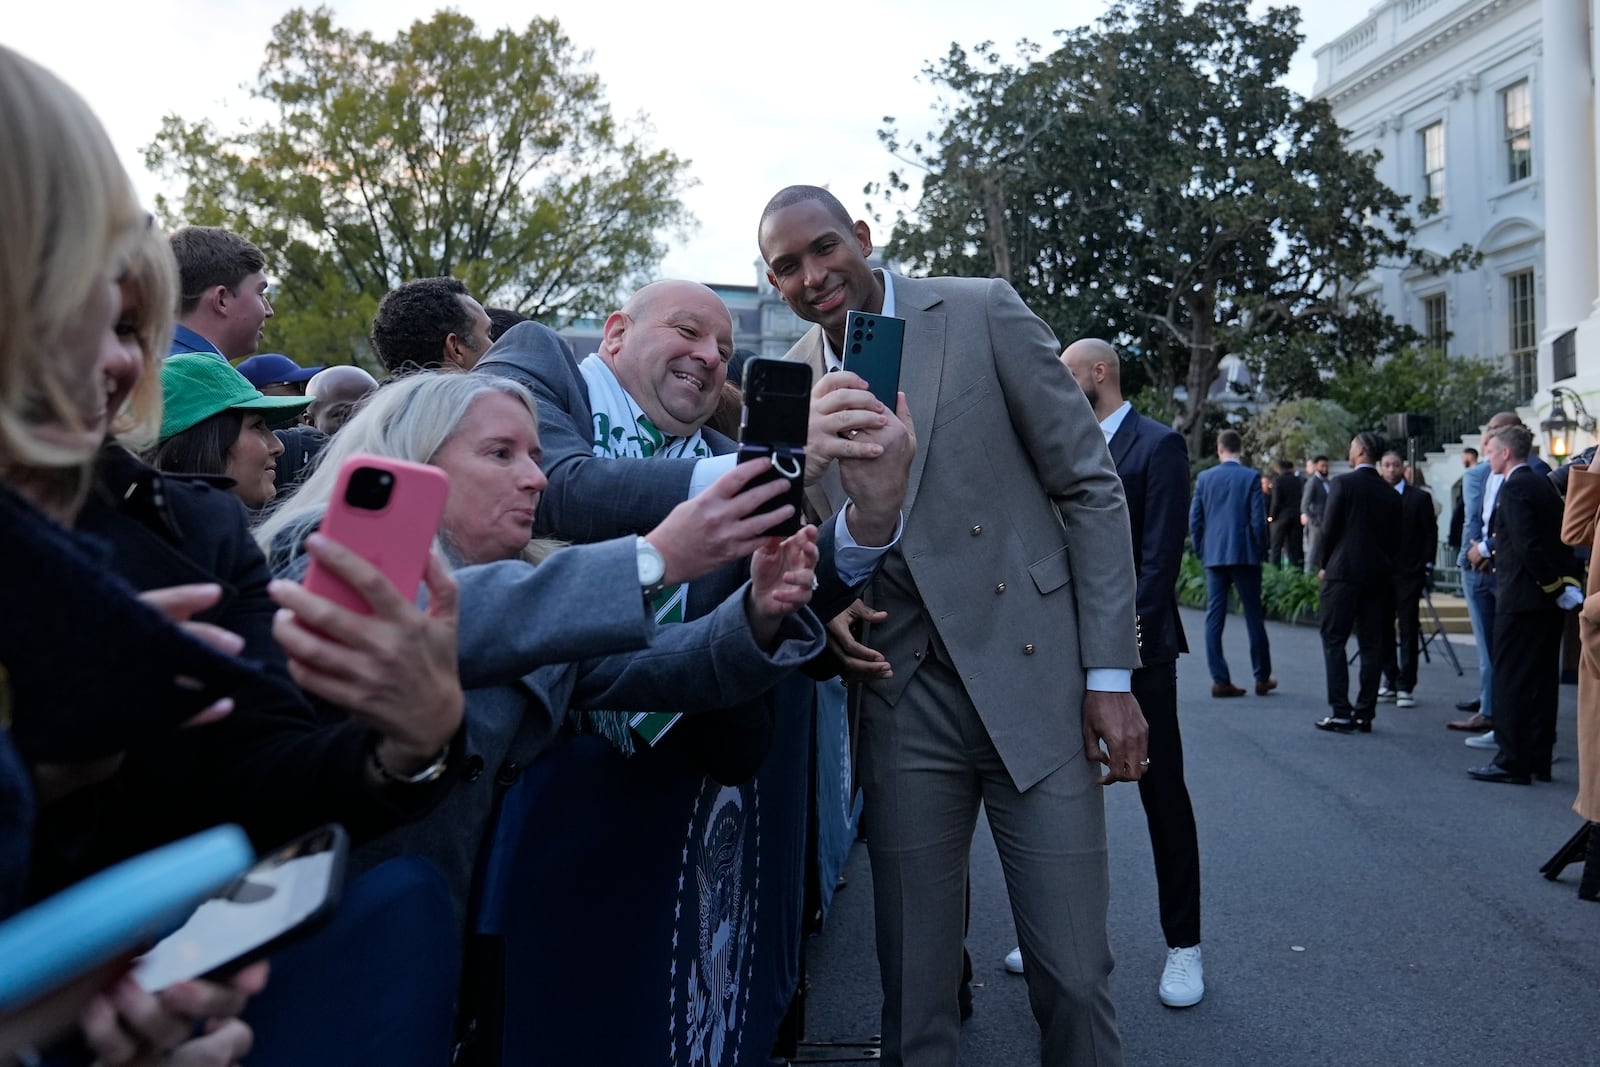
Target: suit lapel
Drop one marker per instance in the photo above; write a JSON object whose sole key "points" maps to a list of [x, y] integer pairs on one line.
{"points": [[1122, 441], [921, 366]]}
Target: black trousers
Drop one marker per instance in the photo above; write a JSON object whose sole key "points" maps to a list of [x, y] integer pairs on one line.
{"points": [[1367, 610], [1527, 676], [1167, 809], [1400, 666], [1285, 542]]}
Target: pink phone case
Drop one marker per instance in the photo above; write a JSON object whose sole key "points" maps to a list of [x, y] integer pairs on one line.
{"points": [[394, 537]]}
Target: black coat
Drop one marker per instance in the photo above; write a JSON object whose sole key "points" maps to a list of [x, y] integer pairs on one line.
{"points": [[1419, 534], [278, 765], [1530, 562], [1286, 492], [1153, 464], [1359, 525]]}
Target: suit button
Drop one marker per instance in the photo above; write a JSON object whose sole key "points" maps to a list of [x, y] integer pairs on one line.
{"points": [[472, 769], [508, 773], [917, 654], [1027, 650], [976, 530], [1001, 588]]}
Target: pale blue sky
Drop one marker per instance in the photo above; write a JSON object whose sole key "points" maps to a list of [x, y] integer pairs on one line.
{"points": [[756, 95]]}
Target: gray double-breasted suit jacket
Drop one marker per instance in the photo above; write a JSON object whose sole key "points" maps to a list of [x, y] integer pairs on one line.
{"points": [[1016, 557]]}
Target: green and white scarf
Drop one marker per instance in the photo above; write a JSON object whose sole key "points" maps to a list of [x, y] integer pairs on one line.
{"points": [[623, 431]]}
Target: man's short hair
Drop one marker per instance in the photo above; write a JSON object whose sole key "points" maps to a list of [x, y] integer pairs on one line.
{"points": [[799, 194], [1372, 445], [413, 320], [1518, 440], [1469, 451], [1230, 441], [209, 256], [1285, 466], [1320, 459]]}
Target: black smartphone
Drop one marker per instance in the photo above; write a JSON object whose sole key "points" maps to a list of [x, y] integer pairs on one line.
{"points": [[872, 346], [286, 895], [773, 424]]}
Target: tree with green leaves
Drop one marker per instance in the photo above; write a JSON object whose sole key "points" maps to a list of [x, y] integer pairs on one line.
{"points": [[490, 157], [1152, 181]]}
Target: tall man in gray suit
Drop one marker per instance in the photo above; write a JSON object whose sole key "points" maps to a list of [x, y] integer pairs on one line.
{"points": [[997, 695]]}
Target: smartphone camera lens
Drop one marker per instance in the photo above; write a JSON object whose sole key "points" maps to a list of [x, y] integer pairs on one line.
{"points": [[369, 489], [855, 348]]}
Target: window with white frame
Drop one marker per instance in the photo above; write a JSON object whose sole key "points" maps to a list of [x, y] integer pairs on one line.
{"points": [[1516, 109], [1432, 141], [1435, 323], [1524, 335]]}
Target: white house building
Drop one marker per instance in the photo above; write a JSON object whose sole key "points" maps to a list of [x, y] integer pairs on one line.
{"points": [[1487, 107]]}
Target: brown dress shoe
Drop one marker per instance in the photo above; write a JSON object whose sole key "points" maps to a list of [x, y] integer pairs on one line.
{"points": [[1473, 724], [1226, 689], [1263, 688]]}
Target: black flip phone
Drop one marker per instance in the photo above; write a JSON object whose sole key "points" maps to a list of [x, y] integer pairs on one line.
{"points": [[872, 345], [772, 425]]}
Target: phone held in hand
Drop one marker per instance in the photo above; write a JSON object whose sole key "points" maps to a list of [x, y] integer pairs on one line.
{"points": [[387, 511], [286, 895], [113, 914], [872, 348], [773, 424]]}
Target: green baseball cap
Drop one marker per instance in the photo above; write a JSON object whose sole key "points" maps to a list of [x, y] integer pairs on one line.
{"points": [[196, 387]]}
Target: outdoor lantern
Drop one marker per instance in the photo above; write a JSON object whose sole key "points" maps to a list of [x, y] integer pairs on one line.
{"points": [[1559, 427]]}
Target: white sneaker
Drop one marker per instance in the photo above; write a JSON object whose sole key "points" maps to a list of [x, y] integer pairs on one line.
{"points": [[1183, 979], [1403, 699], [1014, 961], [1482, 741], [1385, 695]]}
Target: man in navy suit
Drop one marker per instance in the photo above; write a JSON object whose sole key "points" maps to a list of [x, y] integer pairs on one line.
{"points": [[1154, 467], [1228, 522]]}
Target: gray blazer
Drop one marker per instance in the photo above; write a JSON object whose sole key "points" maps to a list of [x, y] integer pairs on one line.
{"points": [[514, 628], [986, 571]]}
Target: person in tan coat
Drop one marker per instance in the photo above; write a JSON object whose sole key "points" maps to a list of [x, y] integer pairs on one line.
{"points": [[1581, 526]]}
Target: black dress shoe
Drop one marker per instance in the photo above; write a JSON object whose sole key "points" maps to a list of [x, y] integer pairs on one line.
{"points": [[1493, 773], [1363, 726], [1471, 707], [1338, 724]]}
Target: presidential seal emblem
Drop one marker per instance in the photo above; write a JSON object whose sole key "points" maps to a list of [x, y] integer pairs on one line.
{"points": [[714, 927]]}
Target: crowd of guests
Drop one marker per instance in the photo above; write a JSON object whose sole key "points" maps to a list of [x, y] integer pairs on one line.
{"points": [[604, 553]]}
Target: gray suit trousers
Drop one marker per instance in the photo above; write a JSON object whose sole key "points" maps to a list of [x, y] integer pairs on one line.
{"points": [[926, 765]]}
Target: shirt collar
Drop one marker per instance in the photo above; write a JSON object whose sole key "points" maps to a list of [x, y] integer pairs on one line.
{"points": [[1113, 422]]}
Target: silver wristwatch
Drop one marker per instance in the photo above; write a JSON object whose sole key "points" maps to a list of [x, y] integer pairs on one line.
{"points": [[652, 570]]}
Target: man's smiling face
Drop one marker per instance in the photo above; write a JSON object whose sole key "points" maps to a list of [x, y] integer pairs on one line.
{"points": [[818, 264], [670, 349]]}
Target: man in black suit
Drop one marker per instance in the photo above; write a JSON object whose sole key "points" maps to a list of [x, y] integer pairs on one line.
{"points": [[1534, 580], [1313, 499], [1413, 565], [1358, 524], [1284, 517], [1154, 467]]}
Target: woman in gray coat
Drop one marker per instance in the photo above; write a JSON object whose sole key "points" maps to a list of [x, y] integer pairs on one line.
{"points": [[482, 431]]}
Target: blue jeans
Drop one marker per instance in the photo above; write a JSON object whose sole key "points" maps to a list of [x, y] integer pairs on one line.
{"points": [[1478, 587], [1247, 579]]}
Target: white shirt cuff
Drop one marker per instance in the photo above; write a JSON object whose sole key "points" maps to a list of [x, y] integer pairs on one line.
{"points": [[1110, 680], [709, 470], [852, 561]]}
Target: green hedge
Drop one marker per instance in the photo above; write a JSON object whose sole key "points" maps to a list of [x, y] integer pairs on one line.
{"points": [[1286, 593]]}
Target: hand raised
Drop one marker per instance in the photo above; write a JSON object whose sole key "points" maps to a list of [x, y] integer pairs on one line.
{"points": [[719, 525]]}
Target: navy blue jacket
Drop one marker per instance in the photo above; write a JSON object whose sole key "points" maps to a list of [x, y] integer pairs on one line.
{"points": [[1228, 519], [1154, 467]]}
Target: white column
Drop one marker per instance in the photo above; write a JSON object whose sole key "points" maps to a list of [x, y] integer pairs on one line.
{"points": [[1564, 128]]}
